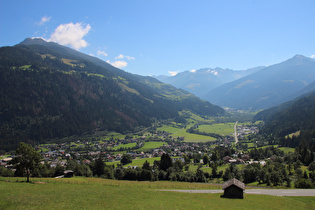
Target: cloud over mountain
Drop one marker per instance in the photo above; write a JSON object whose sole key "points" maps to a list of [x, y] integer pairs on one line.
{"points": [[118, 64], [44, 20], [121, 56], [71, 34], [100, 52]]}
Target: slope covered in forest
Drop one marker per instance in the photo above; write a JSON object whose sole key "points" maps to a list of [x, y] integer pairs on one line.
{"points": [[51, 91]]}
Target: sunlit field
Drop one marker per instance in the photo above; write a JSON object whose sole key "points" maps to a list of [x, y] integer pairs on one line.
{"points": [[92, 193]]}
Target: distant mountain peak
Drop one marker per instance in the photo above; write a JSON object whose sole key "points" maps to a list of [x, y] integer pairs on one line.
{"points": [[30, 41], [297, 56], [300, 57]]}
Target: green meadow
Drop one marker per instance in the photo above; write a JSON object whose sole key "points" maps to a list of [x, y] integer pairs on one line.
{"points": [[94, 193], [152, 145], [169, 129], [287, 149], [190, 137], [130, 145], [114, 135], [220, 128], [136, 162]]}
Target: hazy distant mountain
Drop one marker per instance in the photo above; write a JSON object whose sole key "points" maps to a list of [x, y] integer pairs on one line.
{"points": [[200, 82], [268, 87], [50, 91]]}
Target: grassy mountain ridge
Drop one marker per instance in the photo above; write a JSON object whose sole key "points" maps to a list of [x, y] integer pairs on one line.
{"points": [[50, 91]]}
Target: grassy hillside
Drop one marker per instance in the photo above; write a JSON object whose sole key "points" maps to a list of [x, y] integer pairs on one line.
{"points": [[79, 193]]}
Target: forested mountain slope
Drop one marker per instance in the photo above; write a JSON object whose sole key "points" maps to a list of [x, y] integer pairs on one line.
{"points": [[290, 117], [49, 91]]}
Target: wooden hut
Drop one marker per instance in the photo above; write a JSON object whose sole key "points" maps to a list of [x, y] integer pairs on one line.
{"points": [[233, 188], [68, 174]]}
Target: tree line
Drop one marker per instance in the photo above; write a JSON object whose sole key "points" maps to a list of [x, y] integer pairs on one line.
{"points": [[279, 170]]}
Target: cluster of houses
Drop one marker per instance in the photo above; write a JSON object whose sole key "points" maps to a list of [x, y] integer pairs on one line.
{"points": [[245, 130], [86, 151], [5, 162]]}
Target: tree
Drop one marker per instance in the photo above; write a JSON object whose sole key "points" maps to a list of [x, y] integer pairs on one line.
{"points": [[126, 158], [250, 173], [178, 165], [205, 159], [166, 162], [200, 176], [146, 165], [99, 167], [214, 156], [119, 173], [311, 167], [59, 169], [214, 171], [27, 160], [186, 159], [303, 183]]}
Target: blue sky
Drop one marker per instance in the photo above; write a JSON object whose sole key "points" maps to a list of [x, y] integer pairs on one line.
{"points": [[149, 37]]}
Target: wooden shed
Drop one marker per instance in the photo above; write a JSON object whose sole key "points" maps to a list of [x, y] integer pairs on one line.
{"points": [[233, 188], [68, 174]]}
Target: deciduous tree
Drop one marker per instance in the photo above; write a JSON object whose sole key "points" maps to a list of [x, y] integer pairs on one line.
{"points": [[27, 159]]}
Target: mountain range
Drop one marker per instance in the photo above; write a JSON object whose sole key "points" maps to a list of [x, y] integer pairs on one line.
{"points": [[50, 91], [257, 88], [200, 82]]}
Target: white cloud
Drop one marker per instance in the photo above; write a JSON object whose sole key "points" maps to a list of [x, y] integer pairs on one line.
{"points": [[193, 71], [173, 73], [121, 56], [312, 56], [99, 52], [71, 34], [118, 64], [44, 19]]}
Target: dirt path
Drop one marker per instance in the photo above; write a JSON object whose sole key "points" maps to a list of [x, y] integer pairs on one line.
{"points": [[275, 192]]}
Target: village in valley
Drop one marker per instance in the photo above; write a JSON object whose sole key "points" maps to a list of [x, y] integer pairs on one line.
{"points": [[161, 154], [112, 150]]}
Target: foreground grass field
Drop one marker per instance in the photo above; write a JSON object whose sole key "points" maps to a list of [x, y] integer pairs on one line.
{"points": [[92, 193]]}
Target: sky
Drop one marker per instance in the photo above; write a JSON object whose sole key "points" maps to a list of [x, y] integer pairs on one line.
{"points": [[164, 37]]}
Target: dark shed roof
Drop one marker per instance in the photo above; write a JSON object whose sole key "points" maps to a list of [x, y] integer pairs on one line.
{"points": [[235, 182], [68, 171]]}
